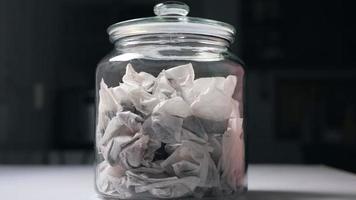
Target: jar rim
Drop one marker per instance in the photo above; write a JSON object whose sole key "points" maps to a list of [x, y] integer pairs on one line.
{"points": [[172, 21]]}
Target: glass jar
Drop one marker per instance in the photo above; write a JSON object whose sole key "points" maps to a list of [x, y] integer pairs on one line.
{"points": [[170, 109]]}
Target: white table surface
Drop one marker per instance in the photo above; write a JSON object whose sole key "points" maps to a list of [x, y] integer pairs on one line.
{"points": [[266, 182]]}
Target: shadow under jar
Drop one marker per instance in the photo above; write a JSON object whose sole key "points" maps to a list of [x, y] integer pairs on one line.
{"points": [[169, 105]]}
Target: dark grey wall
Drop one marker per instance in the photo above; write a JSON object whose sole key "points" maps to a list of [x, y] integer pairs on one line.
{"points": [[48, 54], [49, 50]]}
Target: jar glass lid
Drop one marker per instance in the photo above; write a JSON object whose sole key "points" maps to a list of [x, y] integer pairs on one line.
{"points": [[171, 18]]}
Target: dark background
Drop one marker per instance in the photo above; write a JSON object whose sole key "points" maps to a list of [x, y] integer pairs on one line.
{"points": [[301, 81]]}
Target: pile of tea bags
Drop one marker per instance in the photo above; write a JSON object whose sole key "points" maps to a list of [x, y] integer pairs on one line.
{"points": [[169, 136]]}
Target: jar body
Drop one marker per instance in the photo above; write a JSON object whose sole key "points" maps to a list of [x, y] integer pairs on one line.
{"points": [[169, 122]]}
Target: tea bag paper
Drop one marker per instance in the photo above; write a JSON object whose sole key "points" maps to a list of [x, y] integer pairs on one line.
{"points": [[115, 171], [198, 156], [194, 125], [175, 106], [212, 104], [187, 135], [122, 92], [142, 79], [152, 146], [143, 101], [181, 78], [124, 123], [114, 147], [107, 101], [120, 187], [170, 188], [170, 148], [112, 183], [108, 106], [214, 127], [135, 91], [163, 187], [155, 171], [215, 142], [232, 160], [133, 154], [185, 168], [165, 123], [163, 89], [230, 85], [182, 75], [145, 179], [167, 128], [211, 98]]}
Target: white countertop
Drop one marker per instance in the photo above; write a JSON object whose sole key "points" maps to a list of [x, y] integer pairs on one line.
{"points": [[266, 182]]}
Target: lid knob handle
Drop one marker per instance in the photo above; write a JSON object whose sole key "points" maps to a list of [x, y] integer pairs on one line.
{"points": [[171, 8]]}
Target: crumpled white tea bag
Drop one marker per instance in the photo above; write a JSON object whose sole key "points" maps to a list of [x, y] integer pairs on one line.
{"points": [[124, 123], [108, 106], [161, 186], [203, 127], [112, 181], [142, 79], [165, 123], [182, 75], [107, 101], [174, 188], [154, 171], [137, 178], [185, 168], [174, 81], [135, 91], [232, 160], [215, 141], [187, 135], [112, 150], [211, 98], [115, 171], [166, 128], [170, 148], [152, 146], [230, 85], [200, 85], [163, 89], [143, 101], [194, 125], [212, 104], [122, 92], [181, 78], [131, 152], [134, 153], [101, 181], [197, 154], [175, 106]]}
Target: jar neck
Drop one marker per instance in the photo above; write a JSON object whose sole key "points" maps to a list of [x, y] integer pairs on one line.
{"points": [[174, 46]]}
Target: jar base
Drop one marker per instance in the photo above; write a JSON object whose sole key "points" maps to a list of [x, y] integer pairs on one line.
{"points": [[237, 195]]}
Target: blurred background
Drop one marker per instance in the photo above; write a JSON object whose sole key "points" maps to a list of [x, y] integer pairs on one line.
{"points": [[301, 80]]}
